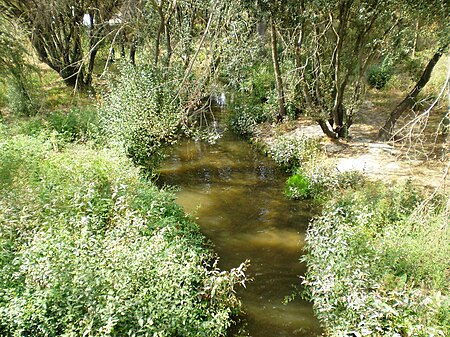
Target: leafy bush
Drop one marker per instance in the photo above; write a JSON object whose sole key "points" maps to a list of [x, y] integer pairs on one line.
{"points": [[315, 180], [258, 84], [244, 119], [370, 271], [88, 248], [379, 76], [293, 152], [140, 113], [76, 124], [311, 177]]}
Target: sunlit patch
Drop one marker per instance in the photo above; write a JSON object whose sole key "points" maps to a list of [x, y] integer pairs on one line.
{"points": [[276, 238]]}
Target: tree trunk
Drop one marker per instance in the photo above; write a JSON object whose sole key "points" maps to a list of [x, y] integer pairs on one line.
{"points": [[133, 53], [446, 119], [276, 68], [158, 41], [327, 130], [93, 46], [338, 113], [93, 53], [386, 131], [169, 45]]}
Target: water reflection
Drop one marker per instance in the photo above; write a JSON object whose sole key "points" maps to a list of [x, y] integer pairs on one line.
{"points": [[237, 197]]}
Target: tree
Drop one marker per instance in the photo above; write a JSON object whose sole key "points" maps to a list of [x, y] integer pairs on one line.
{"points": [[332, 46], [15, 72], [434, 14], [277, 71], [59, 32], [386, 131], [271, 11]]}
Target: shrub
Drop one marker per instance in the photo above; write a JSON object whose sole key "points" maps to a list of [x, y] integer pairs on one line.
{"points": [[369, 269], [293, 152], [244, 119], [317, 181], [88, 248], [76, 124], [258, 83], [379, 76], [311, 177], [140, 113]]}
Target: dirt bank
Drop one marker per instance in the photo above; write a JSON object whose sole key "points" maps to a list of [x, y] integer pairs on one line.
{"points": [[425, 162]]}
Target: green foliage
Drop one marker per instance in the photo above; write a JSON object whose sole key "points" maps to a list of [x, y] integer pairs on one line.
{"points": [[140, 113], [298, 187], [378, 264], [379, 76], [243, 119], [416, 249], [21, 86], [314, 180], [23, 95], [88, 248], [293, 152], [311, 178], [76, 124], [258, 84], [79, 124]]}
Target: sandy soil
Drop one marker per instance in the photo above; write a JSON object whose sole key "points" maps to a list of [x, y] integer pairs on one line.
{"points": [[426, 164]]}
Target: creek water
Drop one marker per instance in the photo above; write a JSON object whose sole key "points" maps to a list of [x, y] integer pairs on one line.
{"points": [[236, 196]]}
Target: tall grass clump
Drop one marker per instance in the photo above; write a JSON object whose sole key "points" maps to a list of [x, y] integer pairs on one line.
{"points": [[378, 264], [141, 113], [89, 248]]}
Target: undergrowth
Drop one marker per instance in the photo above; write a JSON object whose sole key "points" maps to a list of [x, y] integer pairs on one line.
{"points": [[90, 248], [378, 263]]}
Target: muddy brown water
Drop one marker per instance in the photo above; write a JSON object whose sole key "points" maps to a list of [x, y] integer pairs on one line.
{"points": [[236, 196]]}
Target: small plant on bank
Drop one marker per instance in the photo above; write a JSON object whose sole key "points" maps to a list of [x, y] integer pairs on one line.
{"points": [[293, 152], [317, 181], [311, 179], [298, 186]]}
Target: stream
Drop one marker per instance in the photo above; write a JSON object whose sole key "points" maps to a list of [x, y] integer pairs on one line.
{"points": [[236, 196]]}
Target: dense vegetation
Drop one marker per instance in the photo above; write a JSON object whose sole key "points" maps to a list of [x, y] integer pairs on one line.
{"points": [[89, 246], [378, 263]]}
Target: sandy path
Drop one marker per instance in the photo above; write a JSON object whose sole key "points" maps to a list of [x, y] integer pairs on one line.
{"points": [[362, 152]]}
